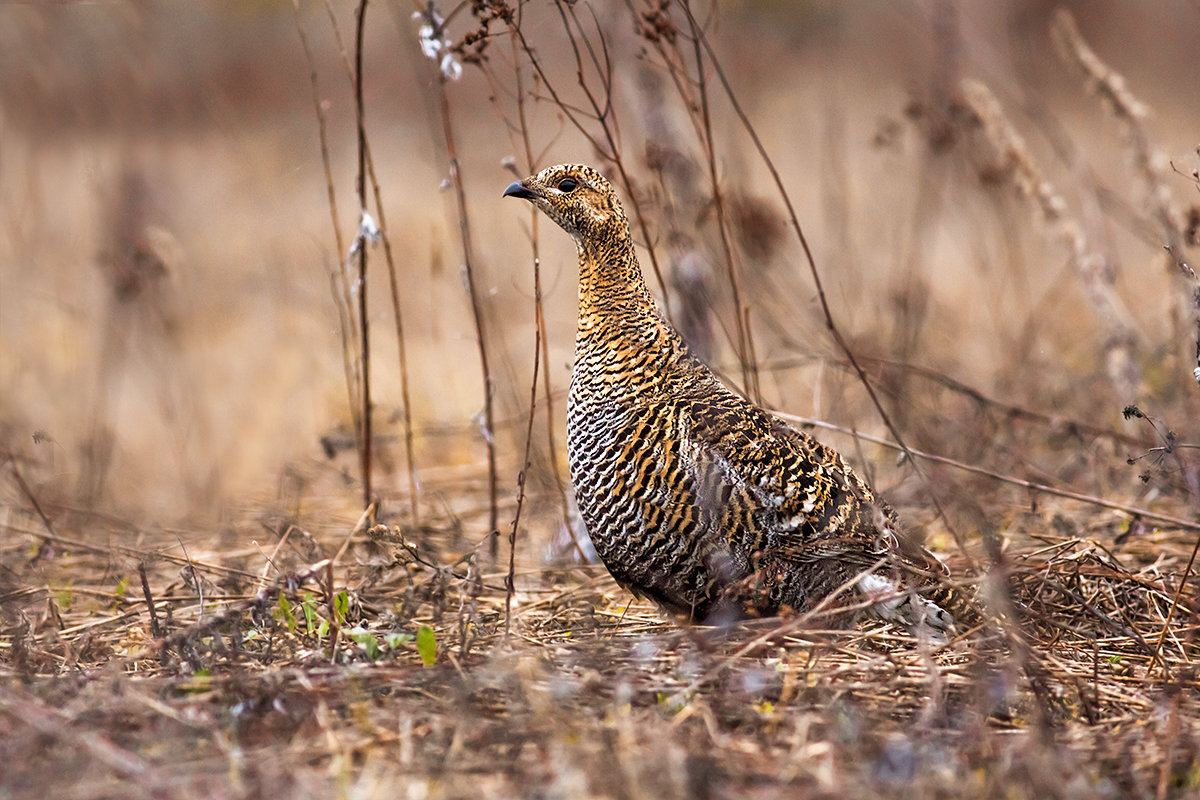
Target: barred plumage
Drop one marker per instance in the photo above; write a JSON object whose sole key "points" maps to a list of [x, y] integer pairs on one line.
{"points": [[693, 496]]}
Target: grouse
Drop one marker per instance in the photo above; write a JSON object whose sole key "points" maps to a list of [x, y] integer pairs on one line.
{"points": [[694, 497]]}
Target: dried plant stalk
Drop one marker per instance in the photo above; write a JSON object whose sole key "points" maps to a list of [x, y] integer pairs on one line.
{"points": [[364, 347], [1148, 161], [1017, 165], [389, 258], [339, 285], [464, 230], [601, 111], [540, 321]]}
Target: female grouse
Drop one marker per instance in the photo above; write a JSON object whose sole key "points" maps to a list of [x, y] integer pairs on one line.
{"points": [[693, 496]]}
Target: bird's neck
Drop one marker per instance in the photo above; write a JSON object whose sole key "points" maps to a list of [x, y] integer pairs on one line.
{"points": [[612, 292], [623, 348]]}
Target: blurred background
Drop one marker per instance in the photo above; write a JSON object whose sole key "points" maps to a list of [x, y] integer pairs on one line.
{"points": [[171, 347]]}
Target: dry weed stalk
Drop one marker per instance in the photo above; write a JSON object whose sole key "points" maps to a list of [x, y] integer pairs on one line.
{"points": [[435, 25], [1015, 164], [361, 241], [541, 359], [372, 229], [414, 493], [1149, 162], [339, 283]]}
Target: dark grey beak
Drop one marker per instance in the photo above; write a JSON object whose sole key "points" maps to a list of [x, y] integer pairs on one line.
{"points": [[518, 190]]}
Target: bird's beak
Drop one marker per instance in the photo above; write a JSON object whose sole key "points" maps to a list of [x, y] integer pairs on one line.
{"points": [[518, 189]]}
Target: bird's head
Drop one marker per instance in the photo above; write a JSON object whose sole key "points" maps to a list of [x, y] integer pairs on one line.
{"points": [[577, 197]]}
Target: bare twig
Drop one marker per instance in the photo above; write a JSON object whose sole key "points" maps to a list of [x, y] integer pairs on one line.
{"points": [[25, 490], [509, 586], [363, 321], [745, 336], [1148, 160], [401, 350], [539, 307], [338, 280], [393, 279], [155, 630], [1187, 573], [607, 145], [464, 231]]}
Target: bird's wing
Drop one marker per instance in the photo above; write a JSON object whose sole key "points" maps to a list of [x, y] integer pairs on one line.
{"points": [[779, 489], [786, 488]]}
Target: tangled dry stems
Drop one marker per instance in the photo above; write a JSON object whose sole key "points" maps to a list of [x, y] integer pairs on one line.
{"points": [[1063, 676]]}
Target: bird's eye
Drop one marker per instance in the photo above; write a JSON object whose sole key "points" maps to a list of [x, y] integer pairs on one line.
{"points": [[567, 185]]}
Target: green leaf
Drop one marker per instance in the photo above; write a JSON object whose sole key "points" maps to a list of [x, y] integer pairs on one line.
{"points": [[427, 645], [366, 640], [394, 640], [371, 648], [120, 590], [341, 607], [309, 607], [283, 613]]}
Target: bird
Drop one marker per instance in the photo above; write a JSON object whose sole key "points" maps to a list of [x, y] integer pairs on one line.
{"points": [[694, 497]]}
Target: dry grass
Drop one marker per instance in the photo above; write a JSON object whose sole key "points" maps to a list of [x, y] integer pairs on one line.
{"points": [[1064, 693], [193, 601]]}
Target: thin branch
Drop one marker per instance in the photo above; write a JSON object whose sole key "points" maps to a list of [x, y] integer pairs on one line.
{"points": [[1187, 573], [401, 354], [539, 309], [464, 230], [363, 325], [509, 585], [155, 630], [339, 285], [12, 463]]}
